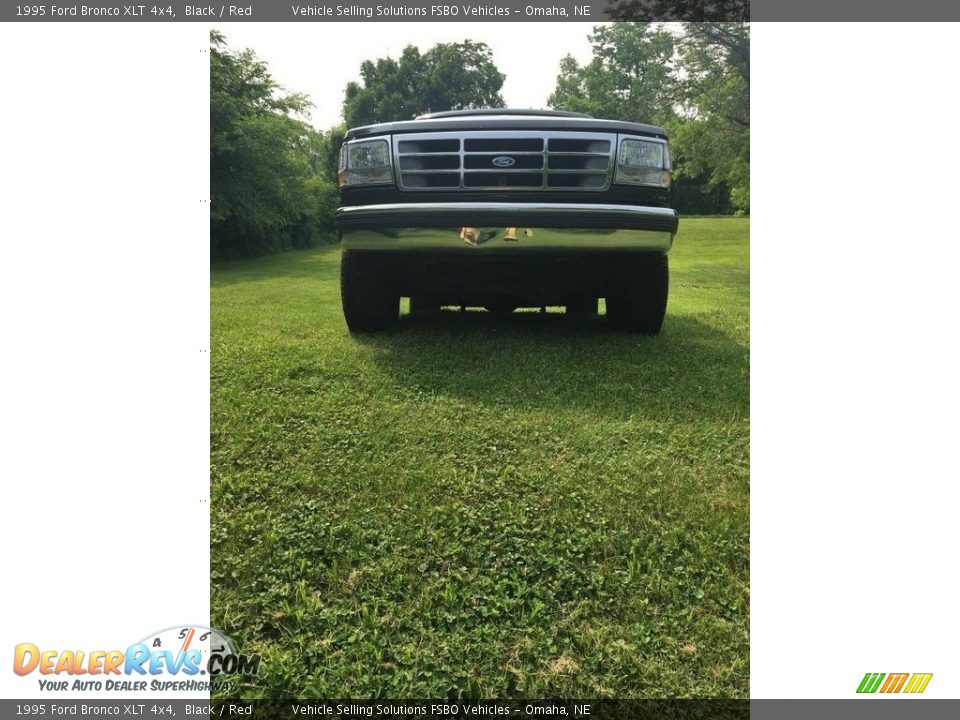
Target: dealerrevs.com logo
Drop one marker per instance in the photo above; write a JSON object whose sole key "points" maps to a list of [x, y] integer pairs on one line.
{"points": [[910, 683], [189, 658]]}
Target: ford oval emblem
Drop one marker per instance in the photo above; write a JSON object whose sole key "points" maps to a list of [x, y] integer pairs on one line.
{"points": [[503, 161]]}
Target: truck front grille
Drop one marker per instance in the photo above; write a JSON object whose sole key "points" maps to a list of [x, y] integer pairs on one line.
{"points": [[503, 160]]}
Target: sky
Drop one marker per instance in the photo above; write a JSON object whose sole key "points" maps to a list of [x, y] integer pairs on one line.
{"points": [[319, 58]]}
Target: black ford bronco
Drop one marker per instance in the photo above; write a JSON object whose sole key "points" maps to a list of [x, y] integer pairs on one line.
{"points": [[504, 209]]}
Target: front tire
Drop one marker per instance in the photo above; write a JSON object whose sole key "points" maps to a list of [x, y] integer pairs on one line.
{"points": [[370, 300], [637, 297]]}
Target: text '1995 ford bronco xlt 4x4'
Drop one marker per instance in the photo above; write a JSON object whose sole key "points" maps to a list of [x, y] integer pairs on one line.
{"points": [[504, 209]]}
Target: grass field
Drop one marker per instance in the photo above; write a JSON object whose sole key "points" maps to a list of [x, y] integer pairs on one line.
{"points": [[466, 506]]}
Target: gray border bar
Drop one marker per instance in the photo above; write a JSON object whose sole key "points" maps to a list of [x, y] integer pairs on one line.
{"points": [[310, 11], [478, 11], [873, 708], [867, 708]]}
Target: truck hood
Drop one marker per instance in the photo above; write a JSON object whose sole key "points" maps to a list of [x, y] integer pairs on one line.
{"points": [[505, 121]]}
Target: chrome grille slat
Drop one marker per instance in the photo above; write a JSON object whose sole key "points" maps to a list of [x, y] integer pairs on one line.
{"points": [[572, 154], [494, 153], [530, 171], [578, 153]]}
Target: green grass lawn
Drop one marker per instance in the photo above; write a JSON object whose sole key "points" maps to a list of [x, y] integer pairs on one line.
{"points": [[471, 506]]}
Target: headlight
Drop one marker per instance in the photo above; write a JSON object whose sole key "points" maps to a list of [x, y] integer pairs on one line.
{"points": [[643, 162], [365, 162]]}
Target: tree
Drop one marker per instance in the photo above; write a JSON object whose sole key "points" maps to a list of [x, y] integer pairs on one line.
{"points": [[449, 76], [323, 151], [264, 192], [629, 78], [696, 84], [714, 138]]}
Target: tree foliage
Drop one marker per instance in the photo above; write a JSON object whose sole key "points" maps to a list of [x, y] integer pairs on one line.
{"points": [[695, 83], [269, 184], [448, 76], [629, 77], [714, 136]]}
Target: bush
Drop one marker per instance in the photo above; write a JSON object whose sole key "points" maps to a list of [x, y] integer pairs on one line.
{"points": [[697, 196]]}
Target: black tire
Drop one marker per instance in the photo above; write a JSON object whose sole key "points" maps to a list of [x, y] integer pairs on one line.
{"points": [[582, 306], [370, 300], [424, 305], [637, 297]]}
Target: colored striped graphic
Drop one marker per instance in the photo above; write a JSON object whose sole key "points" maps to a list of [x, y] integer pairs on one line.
{"points": [[918, 683], [894, 682], [870, 683]]}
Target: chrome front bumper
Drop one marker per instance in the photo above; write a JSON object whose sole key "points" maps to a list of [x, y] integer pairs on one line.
{"points": [[506, 227]]}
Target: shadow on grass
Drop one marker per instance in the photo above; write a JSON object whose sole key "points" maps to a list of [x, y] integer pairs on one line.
{"points": [[556, 361]]}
